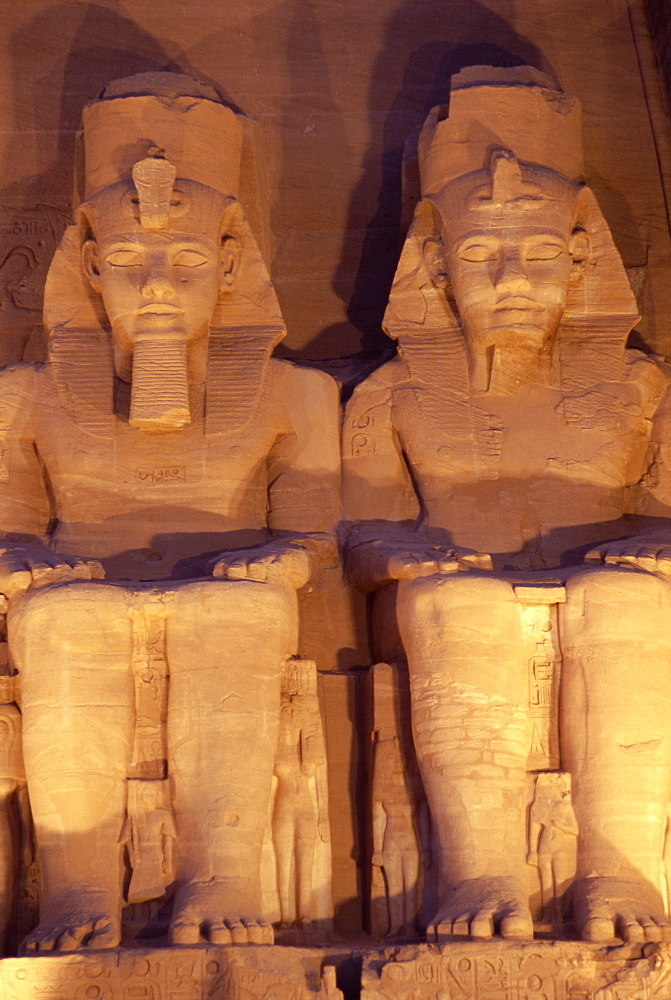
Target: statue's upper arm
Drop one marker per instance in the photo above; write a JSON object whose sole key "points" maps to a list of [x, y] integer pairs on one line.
{"points": [[376, 481], [304, 461], [24, 505]]}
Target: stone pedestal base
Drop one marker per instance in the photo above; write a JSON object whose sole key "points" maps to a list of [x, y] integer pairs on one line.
{"points": [[498, 970], [254, 972]]}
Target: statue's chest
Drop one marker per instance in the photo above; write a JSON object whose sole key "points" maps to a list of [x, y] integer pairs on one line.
{"points": [[153, 467], [530, 435]]}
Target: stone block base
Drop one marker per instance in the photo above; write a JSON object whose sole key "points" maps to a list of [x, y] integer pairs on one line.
{"points": [[498, 970], [254, 972]]}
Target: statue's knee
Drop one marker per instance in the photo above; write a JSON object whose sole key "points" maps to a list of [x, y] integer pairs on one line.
{"points": [[615, 585], [461, 591], [230, 598], [60, 606]]}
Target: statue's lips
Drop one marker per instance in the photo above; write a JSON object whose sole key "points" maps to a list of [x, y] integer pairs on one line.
{"points": [[518, 303], [159, 309]]}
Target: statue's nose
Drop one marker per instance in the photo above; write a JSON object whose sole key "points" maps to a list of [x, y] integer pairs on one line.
{"points": [[157, 286], [511, 274]]}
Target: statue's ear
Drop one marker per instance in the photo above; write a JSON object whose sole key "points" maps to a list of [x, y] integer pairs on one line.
{"points": [[435, 260], [580, 249], [230, 254], [91, 264]]}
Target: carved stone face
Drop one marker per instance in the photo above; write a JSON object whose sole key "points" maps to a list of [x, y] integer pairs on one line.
{"points": [[510, 267], [158, 283]]}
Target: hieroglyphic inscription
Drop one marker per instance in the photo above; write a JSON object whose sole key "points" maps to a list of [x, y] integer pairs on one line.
{"points": [[29, 236], [504, 971], [541, 637], [150, 670], [173, 474], [198, 973]]}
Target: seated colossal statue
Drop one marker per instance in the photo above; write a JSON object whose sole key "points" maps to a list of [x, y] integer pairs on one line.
{"points": [[166, 488], [516, 447]]}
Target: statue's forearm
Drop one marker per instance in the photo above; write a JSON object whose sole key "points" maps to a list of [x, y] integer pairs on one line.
{"points": [[17, 539], [321, 546], [367, 549]]}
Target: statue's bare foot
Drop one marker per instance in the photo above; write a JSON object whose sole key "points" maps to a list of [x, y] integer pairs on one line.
{"points": [[218, 911], [89, 920], [481, 907], [606, 908]]}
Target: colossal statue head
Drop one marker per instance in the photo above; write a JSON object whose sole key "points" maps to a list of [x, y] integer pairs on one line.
{"points": [[160, 261], [508, 251]]}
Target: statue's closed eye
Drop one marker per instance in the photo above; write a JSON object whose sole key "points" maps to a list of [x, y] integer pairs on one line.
{"points": [[477, 253], [124, 258], [190, 258], [545, 251]]}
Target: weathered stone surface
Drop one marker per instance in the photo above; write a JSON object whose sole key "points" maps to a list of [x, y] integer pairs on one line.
{"points": [[559, 970], [333, 96], [491, 471], [336, 91], [250, 973]]}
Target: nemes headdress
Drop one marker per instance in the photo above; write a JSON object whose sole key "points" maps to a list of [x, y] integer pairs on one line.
{"points": [[150, 144], [508, 135]]}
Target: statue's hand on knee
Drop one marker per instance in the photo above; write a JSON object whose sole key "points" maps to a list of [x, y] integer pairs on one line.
{"points": [[651, 553], [275, 561], [420, 559], [25, 566], [375, 562]]}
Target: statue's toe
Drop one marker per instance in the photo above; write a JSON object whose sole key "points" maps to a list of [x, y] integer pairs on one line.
{"points": [[482, 925], [651, 930], [598, 929], [238, 931], [440, 931], [219, 933], [105, 934], [460, 925], [517, 925], [72, 938], [185, 932], [39, 940], [255, 932]]}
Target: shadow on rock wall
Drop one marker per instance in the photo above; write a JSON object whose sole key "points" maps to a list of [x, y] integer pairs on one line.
{"points": [[410, 76]]}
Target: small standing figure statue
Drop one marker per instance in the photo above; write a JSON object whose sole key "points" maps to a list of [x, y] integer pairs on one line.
{"points": [[553, 833], [400, 827], [666, 858], [149, 834], [329, 989], [14, 807], [300, 815]]}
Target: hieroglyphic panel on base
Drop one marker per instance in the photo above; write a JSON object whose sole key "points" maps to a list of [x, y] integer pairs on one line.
{"points": [[498, 970], [198, 973]]}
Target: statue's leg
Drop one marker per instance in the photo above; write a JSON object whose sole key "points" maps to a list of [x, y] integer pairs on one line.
{"points": [[9, 855], [401, 868], [563, 866], [284, 840], [468, 681], [393, 874], [616, 742], [306, 842], [72, 644], [546, 876], [410, 859], [226, 641]]}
